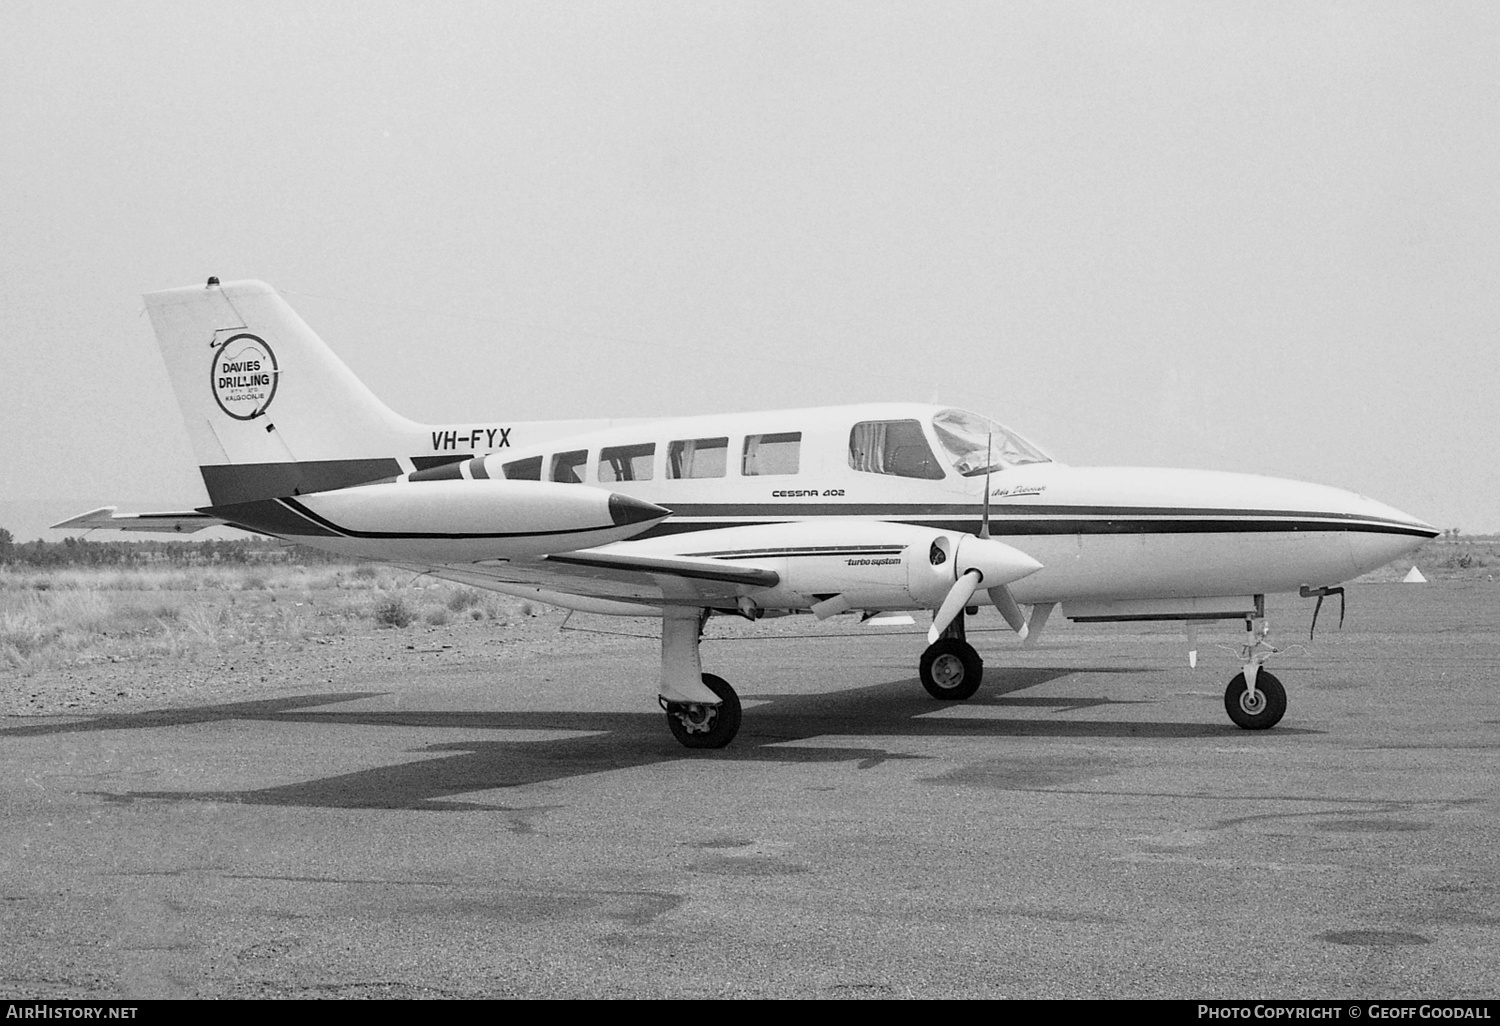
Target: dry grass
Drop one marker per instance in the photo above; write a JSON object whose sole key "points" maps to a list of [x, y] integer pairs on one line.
{"points": [[79, 616]]}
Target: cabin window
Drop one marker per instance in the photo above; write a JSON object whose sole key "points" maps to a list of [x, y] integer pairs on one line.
{"points": [[626, 462], [529, 469], [567, 467], [772, 454], [698, 457], [976, 444], [895, 447]]}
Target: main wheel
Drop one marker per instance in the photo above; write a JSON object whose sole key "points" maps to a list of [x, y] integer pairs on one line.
{"points": [[951, 669], [1261, 712], [707, 726]]}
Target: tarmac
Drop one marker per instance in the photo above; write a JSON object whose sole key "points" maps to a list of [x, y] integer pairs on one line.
{"points": [[1090, 825]]}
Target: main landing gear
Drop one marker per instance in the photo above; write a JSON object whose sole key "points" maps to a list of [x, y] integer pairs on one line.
{"points": [[701, 725], [950, 668], [702, 710], [1255, 699]]}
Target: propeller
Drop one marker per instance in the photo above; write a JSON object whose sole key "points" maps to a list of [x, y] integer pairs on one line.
{"points": [[983, 562], [984, 559]]}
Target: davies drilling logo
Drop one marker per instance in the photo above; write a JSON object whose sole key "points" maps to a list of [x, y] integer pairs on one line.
{"points": [[244, 376]]}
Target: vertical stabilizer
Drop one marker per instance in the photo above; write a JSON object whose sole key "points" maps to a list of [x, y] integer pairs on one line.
{"points": [[270, 410]]}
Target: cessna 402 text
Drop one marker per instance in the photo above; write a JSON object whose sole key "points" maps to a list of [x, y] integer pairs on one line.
{"points": [[871, 508]]}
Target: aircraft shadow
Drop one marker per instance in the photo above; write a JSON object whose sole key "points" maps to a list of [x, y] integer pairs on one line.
{"points": [[606, 741]]}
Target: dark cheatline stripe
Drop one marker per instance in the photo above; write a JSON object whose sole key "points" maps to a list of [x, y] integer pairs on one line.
{"points": [[803, 550], [1014, 518], [1032, 528], [477, 470], [247, 482]]}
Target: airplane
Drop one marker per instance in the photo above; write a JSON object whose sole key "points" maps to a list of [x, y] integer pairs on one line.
{"points": [[871, 509]]}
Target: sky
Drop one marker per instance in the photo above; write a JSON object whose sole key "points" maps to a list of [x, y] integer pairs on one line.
{"points": [[1248, 236]]}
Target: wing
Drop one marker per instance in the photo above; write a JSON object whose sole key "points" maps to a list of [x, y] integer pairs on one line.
{"points": [[611, 579], [105, 517]]}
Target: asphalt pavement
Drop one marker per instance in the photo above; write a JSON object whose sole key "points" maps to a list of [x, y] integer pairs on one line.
{"points": [[1089, 825]]}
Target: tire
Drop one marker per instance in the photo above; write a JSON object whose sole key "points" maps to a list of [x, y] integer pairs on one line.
{"points": [[951, 670], [1266, 712], [707, 726]]}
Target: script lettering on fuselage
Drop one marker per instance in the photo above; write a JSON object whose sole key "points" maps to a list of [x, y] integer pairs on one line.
{"points": [[1015, 490], [474, 438]]}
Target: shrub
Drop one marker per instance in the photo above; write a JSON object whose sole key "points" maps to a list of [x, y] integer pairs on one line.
{"points": [[393, 612], [461, 600]]}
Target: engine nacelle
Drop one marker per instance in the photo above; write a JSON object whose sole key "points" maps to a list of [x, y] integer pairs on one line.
{"points": [[832, 565]]}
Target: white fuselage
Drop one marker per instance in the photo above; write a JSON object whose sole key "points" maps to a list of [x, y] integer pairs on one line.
{"points": [[1100, 533]]}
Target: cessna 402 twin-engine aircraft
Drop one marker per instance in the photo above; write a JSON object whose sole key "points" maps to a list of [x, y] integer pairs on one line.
{"points": [[872, 508]]}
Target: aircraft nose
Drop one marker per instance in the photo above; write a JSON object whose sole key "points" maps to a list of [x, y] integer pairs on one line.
{"points": [[625, 510], [1386, 534]]}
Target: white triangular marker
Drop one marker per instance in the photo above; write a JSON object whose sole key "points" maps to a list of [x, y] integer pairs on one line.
{"points": [[1415, 577]]}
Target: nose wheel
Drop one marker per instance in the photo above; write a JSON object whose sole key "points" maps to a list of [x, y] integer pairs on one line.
{"points": [[1255, 699], [1260, 709], [951, 670]]}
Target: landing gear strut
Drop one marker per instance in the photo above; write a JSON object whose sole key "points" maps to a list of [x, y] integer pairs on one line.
{"points": [[702, 710], [950, 668], [1255, 699]]}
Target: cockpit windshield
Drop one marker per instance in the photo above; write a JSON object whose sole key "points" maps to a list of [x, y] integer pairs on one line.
{"points": [[975, 443]]}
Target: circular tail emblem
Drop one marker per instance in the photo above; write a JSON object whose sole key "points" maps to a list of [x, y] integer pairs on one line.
{"points": [[244, 376]]}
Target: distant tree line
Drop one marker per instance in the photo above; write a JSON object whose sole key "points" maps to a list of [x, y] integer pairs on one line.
{"points": [[82, 552]]}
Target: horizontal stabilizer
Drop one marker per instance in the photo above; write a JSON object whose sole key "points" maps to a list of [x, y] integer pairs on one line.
{"points": [[107, 519]]}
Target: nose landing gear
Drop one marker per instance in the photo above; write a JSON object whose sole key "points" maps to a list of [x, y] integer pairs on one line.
{"points": [[1260, 709], [1255, 699]]}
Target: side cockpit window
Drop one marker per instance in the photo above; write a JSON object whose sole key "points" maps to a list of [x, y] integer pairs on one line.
{"points": [[895, 447], [765, 455]]}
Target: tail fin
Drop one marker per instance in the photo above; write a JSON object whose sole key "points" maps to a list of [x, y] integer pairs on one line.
{"points": [[270, 410]]}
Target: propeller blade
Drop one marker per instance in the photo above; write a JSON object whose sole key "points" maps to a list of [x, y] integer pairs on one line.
{"points": [[1009, 609], [953, 603]]}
